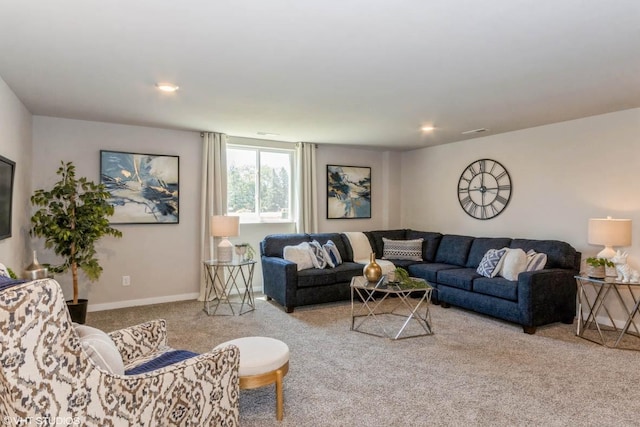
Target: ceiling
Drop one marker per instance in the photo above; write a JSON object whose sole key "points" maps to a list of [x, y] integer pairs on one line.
{"points": [[356, 72]]}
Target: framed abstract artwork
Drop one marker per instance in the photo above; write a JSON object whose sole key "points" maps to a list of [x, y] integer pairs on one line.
{"points": [[348, 192], [144, 188]]}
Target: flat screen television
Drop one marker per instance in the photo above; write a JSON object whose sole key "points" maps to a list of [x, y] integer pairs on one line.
{"points": [[7, 171]]}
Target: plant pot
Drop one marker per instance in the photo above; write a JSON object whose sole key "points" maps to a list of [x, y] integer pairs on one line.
{"points": [[596, 272], [78, 311]]}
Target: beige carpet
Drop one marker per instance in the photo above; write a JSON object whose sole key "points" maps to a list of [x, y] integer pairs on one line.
{"points": [[473, 371]]}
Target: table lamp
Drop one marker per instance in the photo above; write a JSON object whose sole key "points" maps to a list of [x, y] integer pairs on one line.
{"points": [[224, 227], [609, 232]]}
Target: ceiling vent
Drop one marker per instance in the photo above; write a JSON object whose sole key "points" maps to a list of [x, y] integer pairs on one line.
{"points": [[475, 131]]}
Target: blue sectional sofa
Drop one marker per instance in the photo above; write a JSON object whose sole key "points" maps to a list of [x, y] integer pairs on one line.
{"points": [[449, 264]]}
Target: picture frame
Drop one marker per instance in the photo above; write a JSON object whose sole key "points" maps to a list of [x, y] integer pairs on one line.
{"points": [[144, 188], [348, 192], [7, 176]]}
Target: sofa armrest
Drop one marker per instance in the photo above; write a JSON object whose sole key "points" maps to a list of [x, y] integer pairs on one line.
{"points": [[140, 340], [280, 280], [547, 296]]}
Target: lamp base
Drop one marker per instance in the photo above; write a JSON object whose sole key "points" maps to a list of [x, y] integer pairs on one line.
{"points": [[608, 252], [225, 251]]}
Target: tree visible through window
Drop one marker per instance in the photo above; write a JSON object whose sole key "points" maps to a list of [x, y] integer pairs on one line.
{"points": [[259, 183]]}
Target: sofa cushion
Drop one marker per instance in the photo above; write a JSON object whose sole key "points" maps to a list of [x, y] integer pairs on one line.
{"points": [[429, 271], [316, 277], [454, 249], [461, 278], [375, 238], [345, 271], [496, 287], [491, 262], [273, 244], [430, 243], [559, 254], [402, 249], [481, 245]]}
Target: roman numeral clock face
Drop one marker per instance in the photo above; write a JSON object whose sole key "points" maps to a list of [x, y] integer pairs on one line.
{"points": [[484, 189]]}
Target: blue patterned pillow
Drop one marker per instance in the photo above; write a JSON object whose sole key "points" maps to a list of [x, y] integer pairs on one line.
{"points": [[490, 263], [332, 254]]}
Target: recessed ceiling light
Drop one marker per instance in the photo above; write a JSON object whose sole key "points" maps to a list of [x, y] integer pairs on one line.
{"points": [[427, 128], [167, 87]]}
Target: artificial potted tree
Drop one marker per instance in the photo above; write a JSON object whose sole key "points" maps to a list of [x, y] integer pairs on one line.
{"points": [[72, 217]]}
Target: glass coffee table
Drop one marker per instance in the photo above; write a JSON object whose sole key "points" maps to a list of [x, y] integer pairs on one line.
{"points": [[375, 311]]}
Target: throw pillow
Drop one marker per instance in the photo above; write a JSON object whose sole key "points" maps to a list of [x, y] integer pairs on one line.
{"points": [[100, 348], [536, 261], [300, 254], [317, 254], [402, 249], [332, 254], [514, 263], [491, 262]]}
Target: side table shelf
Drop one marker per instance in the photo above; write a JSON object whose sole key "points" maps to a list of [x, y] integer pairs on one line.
{"points": [[597, 297], [229, 284]]}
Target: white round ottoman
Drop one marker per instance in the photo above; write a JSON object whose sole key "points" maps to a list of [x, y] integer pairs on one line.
{"points": [[263, 361]]}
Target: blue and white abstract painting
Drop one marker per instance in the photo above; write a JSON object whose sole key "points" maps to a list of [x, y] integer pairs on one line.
{"points": [[348, 192], [144, 187]]}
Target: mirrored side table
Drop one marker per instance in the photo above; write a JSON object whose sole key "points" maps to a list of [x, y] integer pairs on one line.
{"points": [[229, 290]]}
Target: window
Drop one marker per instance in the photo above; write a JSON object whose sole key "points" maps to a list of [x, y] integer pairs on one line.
{"points": [[259, 183]]}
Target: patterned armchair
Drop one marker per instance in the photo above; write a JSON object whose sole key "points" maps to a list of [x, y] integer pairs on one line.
{"points": [[47, 377]]}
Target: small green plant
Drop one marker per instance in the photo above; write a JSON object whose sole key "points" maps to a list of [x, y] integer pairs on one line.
{"points": [[599, 262], [247, 252], [11, 273], [402, 277]]}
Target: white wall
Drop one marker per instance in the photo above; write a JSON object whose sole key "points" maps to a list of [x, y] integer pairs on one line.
{"points": [[15, 144], [163, 260], [385, 177], [562, 175]]}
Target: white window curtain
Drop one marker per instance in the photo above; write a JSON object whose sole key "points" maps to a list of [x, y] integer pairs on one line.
{"points": [[306, 214], [213, 194]]}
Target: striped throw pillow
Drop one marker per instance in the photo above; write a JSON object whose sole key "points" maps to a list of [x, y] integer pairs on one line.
{"points": [[402, 249], [535, 261]]}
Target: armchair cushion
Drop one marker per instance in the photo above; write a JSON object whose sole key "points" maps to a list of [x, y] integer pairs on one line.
{"points": [[165, 359]]}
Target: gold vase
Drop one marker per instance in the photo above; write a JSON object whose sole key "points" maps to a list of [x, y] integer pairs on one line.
{"points": [[372, 271]]}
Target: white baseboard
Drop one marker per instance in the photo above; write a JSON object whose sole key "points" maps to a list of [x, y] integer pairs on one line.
{"points": [[149, 301], [143, 301]]}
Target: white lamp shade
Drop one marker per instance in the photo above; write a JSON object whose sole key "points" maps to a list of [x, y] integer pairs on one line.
{"points": [[224, 226], [609, 232]]}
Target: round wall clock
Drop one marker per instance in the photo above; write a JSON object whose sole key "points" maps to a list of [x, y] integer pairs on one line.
{"points": [[484, 189]]}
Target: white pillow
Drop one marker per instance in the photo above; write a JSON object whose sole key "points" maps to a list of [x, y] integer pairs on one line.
{"points": [[300, 254], [100, 348], [514, 262]]}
